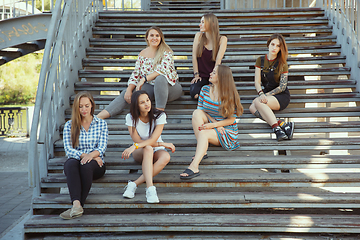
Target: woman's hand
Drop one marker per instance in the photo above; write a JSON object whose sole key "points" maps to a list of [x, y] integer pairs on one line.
{"points": [[221, 130], [127, 96], [140, 84], [263, 98], [169, 146], [195, 79], [99, 161], [206, 126], [85, 158], [127, 152]]}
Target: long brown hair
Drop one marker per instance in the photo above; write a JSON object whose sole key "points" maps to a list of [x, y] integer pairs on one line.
{"points": [[163, 47], [135, 111], [283, 53], [76, 116], [228, 95], [212, 24]]}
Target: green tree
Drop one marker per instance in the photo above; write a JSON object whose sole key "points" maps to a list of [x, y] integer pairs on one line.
{"points": [[19, 79]]}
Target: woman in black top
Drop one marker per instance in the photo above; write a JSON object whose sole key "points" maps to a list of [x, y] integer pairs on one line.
{"points": [[271, 77]]}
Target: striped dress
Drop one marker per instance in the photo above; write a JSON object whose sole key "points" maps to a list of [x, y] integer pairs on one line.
{"points": [[205, 103]]}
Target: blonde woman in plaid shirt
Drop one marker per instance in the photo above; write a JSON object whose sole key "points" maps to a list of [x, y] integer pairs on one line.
{"points": [[85, 139]]}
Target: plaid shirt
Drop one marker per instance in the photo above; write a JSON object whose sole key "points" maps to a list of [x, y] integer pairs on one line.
{"points": [[93, 139]]}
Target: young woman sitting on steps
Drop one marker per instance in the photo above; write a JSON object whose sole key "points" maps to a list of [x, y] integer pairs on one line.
{"points": [[85, 140], [271, 72], [214, 120], [145, 126], [154, 73], [208, 51]]}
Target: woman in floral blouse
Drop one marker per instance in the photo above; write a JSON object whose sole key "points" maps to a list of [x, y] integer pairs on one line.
{"points": [[154, 73]]}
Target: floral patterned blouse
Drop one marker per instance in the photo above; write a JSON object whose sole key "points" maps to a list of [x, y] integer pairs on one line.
{"points": [[145, 66]]}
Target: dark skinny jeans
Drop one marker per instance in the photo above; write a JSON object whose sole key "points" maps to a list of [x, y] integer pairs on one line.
{"points": [[79, 178]]}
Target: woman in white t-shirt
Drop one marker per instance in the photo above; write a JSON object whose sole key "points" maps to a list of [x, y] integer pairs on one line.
{"points": [[145, 126]]}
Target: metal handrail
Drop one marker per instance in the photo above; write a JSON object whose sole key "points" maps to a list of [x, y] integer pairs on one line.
{"points": [[18, 8], [67, 39], [344, 16]]}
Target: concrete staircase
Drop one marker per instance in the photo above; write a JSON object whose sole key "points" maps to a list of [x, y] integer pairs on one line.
{"points": [[306, 187]]}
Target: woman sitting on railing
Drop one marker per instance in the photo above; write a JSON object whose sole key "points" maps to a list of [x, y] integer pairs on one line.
{"points": [[85, 140], [154, 73], [145, 127], [208, 51], [214, 119], [271, 71]]}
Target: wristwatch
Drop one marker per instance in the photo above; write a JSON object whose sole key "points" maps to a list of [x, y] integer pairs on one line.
{"points": [[136, 145]]}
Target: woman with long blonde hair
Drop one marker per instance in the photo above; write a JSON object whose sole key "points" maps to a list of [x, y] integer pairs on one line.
{"points": [[271, 78], [85, 140], [208, 50], [214, 120], [154, 73]]}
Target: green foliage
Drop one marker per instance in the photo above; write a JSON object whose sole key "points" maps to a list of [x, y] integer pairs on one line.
{"points": [[46, 5], [19, 79]]}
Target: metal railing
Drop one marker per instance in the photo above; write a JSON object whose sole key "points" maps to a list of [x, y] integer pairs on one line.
{"points": [[68, 35], [123, 5], [345, 18], [267, 4], [18, 8]]}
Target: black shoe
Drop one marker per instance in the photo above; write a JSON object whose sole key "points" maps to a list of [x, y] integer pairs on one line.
{"points": [[288, 128], [280, 134]]}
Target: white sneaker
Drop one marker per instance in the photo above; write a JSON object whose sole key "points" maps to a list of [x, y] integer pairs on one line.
{"points": [[151, 195], [130, 190]]}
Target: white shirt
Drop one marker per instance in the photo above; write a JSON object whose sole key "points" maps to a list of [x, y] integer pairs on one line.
{"points": [[143, 128]]}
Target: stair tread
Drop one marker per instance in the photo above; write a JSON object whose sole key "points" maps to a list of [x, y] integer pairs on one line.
{"points": [[198, 222]]}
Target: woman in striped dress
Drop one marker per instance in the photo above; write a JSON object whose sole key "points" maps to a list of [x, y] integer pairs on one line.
{"points": [[214, 119]]}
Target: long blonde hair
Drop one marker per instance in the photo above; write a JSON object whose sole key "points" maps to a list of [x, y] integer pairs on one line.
{"points": [[163, 47], [283, 53], [212, 25], [76, 116], [228, 95]]}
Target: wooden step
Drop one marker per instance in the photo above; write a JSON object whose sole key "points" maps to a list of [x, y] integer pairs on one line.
{"points": [[225, 178], [231, 62], [246, 144], [236, 73], [223, 23], [246, 100], [196, 14], [317, 50], [226, 32], [241, 86], [217, 160], [185, 199]]}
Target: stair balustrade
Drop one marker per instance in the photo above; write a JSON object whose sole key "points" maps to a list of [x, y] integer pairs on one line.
{"points": [[68, 35]]}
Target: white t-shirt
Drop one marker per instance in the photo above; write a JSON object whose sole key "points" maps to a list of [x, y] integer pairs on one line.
{"points": [[143, 128]]}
